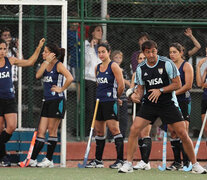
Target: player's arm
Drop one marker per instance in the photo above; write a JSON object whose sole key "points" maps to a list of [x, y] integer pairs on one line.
{"points": [[200, 79], [138, 94], [69, 78], [31, 61], [188, 70], [44, 65], [119, 78]]}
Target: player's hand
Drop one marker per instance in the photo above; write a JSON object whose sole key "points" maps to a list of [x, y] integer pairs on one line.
{"points": [[154, 96], [50, 57], [188, 32], [56, 89], [41, 43], [135, 98], [120, 102]]}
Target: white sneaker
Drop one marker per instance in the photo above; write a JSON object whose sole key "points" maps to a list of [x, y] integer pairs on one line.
{"points": [[142, 165], [45, 163], [32, 163], [197, 168], [127, 167]]}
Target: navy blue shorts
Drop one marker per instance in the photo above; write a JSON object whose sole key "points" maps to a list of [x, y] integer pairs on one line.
{"points": [[107, 111], [7, 106], [169, 114], [53, 108]]}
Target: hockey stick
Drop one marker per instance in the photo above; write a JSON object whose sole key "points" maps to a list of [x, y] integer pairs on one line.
{"points": [[134, 111], [26, 163], [185, 168], [90, 137], [164, 151]]}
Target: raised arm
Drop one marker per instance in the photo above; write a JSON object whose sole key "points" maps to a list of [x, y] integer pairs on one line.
{"points": [[197, 46], [119, 78], [31, 61]]}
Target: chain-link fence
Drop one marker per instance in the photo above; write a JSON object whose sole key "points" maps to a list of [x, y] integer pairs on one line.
{"points": [[164, 20]]}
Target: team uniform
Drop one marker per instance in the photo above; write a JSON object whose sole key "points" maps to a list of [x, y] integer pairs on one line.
{"points": [[107, 110], [54, 103], [7, 97], [184, 101], [157, 77]]}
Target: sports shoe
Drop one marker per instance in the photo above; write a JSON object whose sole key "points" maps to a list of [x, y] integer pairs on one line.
{"points": [[197, 168], [142, 166], [127, 167], [118, 164], [5, 162], [95, 164], [45, 163], [174, 166], [32, 163]]}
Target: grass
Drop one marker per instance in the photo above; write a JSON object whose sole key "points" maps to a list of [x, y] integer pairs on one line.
{"points": [[92, 174]]}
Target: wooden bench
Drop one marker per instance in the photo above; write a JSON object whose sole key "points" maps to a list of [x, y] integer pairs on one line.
{"points": [[19, 144]]}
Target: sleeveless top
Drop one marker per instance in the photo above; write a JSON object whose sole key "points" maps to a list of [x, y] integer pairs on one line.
{"points": [[106, 84], [6, 84], [185, 96], [52, 78]]}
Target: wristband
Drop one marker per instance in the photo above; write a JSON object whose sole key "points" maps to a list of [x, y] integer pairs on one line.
{"points": [[46, 62], [129, 92]]}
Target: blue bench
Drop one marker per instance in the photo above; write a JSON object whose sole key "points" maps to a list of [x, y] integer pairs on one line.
{"points": [[19, 144]]}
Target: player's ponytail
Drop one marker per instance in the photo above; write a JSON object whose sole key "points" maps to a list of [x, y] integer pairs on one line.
{"points": [[62, 54]]}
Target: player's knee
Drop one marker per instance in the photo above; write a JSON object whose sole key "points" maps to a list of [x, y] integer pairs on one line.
{"points": [[134, 131], [182, 134], [11, 128]]}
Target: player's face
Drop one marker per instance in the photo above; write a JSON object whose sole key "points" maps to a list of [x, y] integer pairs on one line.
{"points": [[5, 35], [3, 50], [45, 53], [97, 33], [103, 54], [175, 55], [151, 55], [140, 58], [118, 59]]}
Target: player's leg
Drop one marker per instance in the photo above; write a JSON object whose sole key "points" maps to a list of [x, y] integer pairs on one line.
{"points": [[145, 145], [113, 126]]}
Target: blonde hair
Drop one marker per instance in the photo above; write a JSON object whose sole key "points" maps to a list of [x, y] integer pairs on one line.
{"points": [[114, 53]]}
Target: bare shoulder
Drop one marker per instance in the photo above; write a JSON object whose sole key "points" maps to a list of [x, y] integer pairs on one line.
{"points": [[187, 66]]}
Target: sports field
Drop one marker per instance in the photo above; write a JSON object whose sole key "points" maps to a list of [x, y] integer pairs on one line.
{"points": [[92, 174]]}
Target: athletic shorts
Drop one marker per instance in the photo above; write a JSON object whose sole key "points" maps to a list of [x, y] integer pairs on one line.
{"points": [[203, 106], [168, 114], [107, 111], [53, 108], [185, 108], [7, 106]]}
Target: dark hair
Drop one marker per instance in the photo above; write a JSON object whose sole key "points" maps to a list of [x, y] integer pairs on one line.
{"points": [[2, 41], [148, 45], [142, 34], [5, 29], [179, 47], [59, 52], [106, 45], [91, 30]]}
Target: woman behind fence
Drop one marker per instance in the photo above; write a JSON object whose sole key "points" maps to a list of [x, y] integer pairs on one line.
{"points": [[8, 106], [110, 87], [53, 110]]}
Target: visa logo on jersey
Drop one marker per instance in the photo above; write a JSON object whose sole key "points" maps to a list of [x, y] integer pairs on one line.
{"points": [[102, 80], [47, 79], [4, 75], [155, 81]]}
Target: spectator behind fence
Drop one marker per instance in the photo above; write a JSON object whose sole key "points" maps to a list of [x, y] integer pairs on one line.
{"points": [[188, 53], [117, 56], [159, 78], [144, 139], [91, 60], [8, 107], [110, 86], [184, 101], [53, 110], [144, 36]]}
